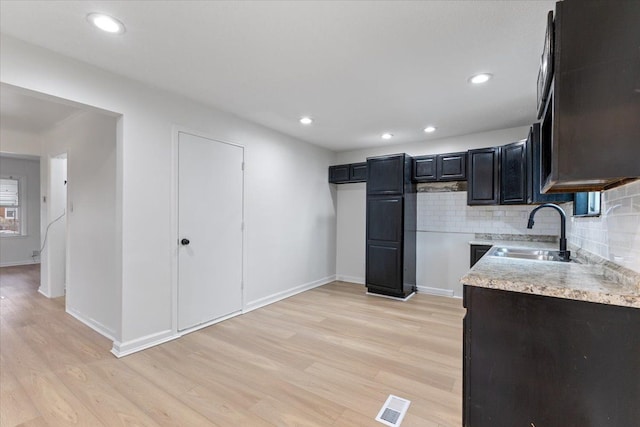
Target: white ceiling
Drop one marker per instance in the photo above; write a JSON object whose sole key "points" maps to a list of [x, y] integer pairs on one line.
{"points": [[24, 113], [359, 68]]}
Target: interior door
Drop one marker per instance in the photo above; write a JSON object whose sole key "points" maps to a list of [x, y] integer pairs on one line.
{"points": [[210, 212]]}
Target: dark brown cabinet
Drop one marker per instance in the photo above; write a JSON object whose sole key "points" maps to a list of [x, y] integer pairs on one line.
{"points": [[533, 360], [452, 167], [391, 226], [477, 251], [591, 125], [424, 168], [510, 174], [344, 174], [358, 172], [534, 195], [483, 176], [513, 174], [440, 167]]}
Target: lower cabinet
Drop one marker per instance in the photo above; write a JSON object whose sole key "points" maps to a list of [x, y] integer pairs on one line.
{"points": [[540, 361], [477, 251]]}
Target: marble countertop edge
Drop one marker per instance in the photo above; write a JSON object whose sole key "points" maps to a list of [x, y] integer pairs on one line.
{"points": [[594, 279]]}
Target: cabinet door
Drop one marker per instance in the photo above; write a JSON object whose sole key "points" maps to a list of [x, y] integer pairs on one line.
{"points": [[385, 175], [477, 251], [384, 219], [534, 173], [338, 174], [384, 266], [545, 361], [452, 167], [424, 169], [483, 176], [358, 172], [513, 174]]}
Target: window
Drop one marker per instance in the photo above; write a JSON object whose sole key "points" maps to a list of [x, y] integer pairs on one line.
{"points": [[586, 204], [11, 223]]}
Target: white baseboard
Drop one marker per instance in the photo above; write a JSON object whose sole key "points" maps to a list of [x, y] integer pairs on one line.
{"points": [[261, 302], [93, 324], [40, 291], [121, 349], [17, 263], [351, 279], [435, 291], [207, 324], [390, 297]]}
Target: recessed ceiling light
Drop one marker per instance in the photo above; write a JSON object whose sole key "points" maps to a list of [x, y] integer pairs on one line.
{"points": [[106, 23], [387, 135], [480, 78], [306, 120], [429, 129]]}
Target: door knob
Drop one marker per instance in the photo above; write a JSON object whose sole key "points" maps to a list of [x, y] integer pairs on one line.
{"points": [[184, 242]]}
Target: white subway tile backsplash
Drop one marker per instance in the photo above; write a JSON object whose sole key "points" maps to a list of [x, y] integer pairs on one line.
{"points": [[615, 234], [448, 212]]}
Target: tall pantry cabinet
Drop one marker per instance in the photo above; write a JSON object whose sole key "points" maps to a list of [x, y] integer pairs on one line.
{"points": [[391, 226]]}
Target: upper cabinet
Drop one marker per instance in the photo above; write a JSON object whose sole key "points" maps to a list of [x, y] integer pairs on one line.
{"points": [[591, 119], [533, 172], [344, 174], [388, 174], [424, 168], [513, 174], [441, 167], [483, 186], [509, 175]]}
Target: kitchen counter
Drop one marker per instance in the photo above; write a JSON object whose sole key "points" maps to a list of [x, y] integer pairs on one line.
{"points": [[590, 279]]}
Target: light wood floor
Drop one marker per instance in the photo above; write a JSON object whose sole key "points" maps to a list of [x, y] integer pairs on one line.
{"points": [[326, 357]]}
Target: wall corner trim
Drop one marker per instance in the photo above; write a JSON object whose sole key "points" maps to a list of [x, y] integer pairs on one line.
{"points": [[351, 279], [278, 296], [121, 349], [42, 292], [435, 291], [93, 324], [17, 263]]}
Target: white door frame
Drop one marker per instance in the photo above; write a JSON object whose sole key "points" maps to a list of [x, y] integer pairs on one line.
{"points": [[175, 246]]}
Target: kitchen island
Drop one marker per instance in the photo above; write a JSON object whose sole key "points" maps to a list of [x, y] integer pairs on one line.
{"points": [[551, 343]]}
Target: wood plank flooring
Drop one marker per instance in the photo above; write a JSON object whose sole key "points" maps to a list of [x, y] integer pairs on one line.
{"points": [[326, 357]]}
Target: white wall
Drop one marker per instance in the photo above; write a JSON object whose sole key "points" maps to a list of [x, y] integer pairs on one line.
{"points": [[351, 232], [21, 143], [18, 250], [53, 276], [289, 207]]}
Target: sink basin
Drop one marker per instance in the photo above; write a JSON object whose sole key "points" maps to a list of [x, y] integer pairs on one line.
{"points": [[533, 254]]}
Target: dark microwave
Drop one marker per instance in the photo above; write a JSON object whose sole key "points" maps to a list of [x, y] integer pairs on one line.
{"points": [[545, 73]]}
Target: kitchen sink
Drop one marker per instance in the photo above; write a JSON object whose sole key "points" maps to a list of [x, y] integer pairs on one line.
{"points": [[533, 254]]}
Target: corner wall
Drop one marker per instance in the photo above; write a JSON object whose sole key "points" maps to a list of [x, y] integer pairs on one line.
{"points": [[89, 141]]}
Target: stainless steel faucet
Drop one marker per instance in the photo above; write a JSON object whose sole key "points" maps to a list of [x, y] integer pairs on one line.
{"points": [[564, 254]]}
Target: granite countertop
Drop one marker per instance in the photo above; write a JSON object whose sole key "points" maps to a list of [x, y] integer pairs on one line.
{"points": [[591, 279]]}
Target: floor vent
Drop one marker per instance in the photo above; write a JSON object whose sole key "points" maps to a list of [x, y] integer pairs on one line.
{"points": [[393, 411]]}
